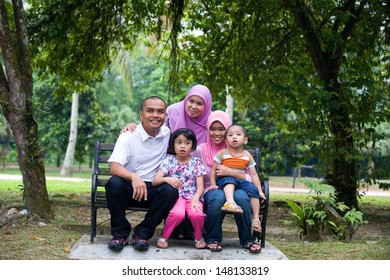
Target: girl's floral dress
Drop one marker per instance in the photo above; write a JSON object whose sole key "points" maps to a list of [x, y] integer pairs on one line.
{"points": [[186, 172]]}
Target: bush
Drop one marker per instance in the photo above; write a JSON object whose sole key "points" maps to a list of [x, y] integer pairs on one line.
{"points": [[324, 215]]}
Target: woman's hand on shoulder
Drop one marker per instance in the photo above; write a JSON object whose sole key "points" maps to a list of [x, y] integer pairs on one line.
{"points": [[129, 127]]}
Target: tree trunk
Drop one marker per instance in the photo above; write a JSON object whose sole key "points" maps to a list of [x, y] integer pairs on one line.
{"points": [[229, 103], [344, 176], [58, 160], [312, 233], [67, 168], [31, 165], [16, 88], [326, 59]]}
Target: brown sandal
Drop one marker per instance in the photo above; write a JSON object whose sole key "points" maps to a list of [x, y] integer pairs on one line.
{"points": [[256, 225], [251, 246], [214, 246]]}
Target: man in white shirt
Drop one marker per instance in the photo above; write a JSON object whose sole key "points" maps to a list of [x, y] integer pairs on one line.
{"points": [[134, 163]]}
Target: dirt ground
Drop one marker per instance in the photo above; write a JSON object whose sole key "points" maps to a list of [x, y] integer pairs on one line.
{"points": [[24, 237], [378, 219]]}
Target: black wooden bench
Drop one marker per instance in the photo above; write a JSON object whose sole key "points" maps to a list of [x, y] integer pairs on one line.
{"points": [[101, 174]]}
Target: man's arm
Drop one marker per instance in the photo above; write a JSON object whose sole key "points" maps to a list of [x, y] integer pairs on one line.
{"points": [[140, 191]]}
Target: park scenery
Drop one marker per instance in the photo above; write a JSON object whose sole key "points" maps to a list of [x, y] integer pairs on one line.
{"points": [[309, 80]]}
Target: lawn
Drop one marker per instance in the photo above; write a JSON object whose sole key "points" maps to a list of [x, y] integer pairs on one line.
{"points": [[28, 237]]}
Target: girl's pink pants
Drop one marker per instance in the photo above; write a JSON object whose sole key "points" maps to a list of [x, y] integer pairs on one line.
{"points": [[177, 215]]}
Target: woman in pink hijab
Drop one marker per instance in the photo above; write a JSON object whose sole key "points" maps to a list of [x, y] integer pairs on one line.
{"points": [[217, 124], [193, 112], [214, 199]]}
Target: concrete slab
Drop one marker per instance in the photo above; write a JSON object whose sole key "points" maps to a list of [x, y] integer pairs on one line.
{"points": [[178, 250]]}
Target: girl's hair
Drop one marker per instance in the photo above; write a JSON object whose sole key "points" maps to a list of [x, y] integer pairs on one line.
{"points": [[187, 133], [240, 126]]}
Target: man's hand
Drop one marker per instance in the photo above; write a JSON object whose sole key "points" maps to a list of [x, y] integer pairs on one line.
{"points": [[140, 192]]}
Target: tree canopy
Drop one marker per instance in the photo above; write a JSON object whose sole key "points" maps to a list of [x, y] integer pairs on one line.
{"points": [[320, 67]]}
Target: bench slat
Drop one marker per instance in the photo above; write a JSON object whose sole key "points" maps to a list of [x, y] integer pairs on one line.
{"points": [[104, 171], [101, 182], [103, 158], [106, 147]]}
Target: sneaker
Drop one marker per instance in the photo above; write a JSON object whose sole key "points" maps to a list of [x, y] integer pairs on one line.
{"points": [[139, 243], [117, 243]]}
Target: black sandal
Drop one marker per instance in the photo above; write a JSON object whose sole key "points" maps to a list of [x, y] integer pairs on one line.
{"points": [[251, 246], [215, 248]]}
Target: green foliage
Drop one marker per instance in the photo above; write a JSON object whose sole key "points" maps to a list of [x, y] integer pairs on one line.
{"points": [[76, 39], [53, 116], [304, 216], [312, 221], [310, 62], [384, 185], [105, 108], [319, 67]]}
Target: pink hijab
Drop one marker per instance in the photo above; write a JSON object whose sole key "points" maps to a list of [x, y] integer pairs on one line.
{"points": [[178, 117], [209, 149]]}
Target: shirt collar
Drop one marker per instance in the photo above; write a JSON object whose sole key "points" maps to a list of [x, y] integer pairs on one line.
{"points": [[144, 135]]}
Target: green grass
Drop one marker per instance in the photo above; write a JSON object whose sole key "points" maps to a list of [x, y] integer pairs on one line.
{"points": [[25, 239], [52, 172], [370, 242], [378, 249], [52, 186]]}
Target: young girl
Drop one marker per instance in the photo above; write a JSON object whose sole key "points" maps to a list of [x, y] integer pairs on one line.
{"points": [[236, 157], [184, 172]]}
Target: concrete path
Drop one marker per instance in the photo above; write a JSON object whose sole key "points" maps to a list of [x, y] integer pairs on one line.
{"points": [[285, 189], [178, 250], [380, 193]]}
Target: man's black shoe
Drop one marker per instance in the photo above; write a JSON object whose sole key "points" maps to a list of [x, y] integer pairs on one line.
{"points": [[117, 243], [139, 243]]}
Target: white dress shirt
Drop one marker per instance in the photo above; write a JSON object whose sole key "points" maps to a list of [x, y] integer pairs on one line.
{"points": [[141, 153]]}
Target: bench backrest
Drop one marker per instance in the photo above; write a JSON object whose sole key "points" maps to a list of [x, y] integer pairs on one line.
{"points": [[101, 175], [101, 171]]}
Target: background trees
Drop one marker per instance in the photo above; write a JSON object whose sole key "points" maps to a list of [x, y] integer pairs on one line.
{"points": [[16, 90], [324, 61], [318, 70]]}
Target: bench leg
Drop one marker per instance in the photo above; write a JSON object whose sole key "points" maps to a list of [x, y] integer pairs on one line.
{"points": [[93, 224]]}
